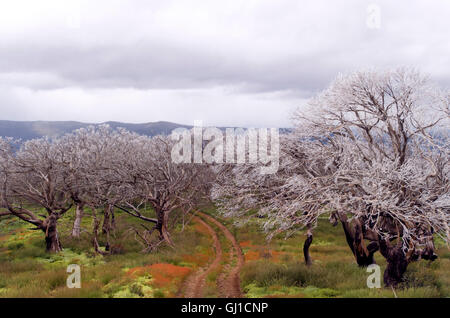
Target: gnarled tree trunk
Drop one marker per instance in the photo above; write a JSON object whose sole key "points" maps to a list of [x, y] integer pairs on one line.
{"points": [[106, 220], [96, 225], [76, 230], [397, 262], [355, 239], [49, 226], [161, 226], [107, 224], [113, 218], [308, 242]]}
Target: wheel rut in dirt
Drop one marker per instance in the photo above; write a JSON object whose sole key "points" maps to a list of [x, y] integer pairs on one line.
{"points": [[229, 283], [195, 284], [228, 278]]}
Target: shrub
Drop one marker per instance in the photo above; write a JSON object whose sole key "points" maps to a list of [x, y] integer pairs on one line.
{"points": [[137, 290]]}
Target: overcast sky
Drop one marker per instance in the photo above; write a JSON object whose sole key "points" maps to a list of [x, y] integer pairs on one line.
{"points": [[228, 63]]}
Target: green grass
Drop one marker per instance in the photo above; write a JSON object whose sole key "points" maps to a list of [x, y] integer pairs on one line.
{"points": [[26, 270], [334, 272], [273, 269]]}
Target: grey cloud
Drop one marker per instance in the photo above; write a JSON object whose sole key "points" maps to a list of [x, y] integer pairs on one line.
{"points": [[148, 66], [272, 54]]}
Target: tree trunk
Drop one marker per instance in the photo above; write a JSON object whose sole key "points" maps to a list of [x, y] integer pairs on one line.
{"points": [[397, 263], [161, 226], [373, 247], [308, 243], [113, 218], [106, 220], [76, 230], [96, 225], [53, 245], [395, 270], [355, 239], [364, 255], [108, 224]]}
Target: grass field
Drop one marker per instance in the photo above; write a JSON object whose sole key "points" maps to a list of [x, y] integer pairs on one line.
{"points": [[273, 269], [277, 269]]}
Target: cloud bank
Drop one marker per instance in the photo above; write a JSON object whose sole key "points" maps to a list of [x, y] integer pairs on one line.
{"points": [[231, 63]]}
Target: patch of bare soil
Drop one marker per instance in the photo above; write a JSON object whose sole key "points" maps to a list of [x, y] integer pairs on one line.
{"points": [[229, 283], [195, 284]]}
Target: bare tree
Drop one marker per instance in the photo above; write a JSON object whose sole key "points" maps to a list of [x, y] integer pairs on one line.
{"points": [[94, 173], [372, 150], [150, 178], [32, 177], [102, 169], [290, 200], [392, 174]]}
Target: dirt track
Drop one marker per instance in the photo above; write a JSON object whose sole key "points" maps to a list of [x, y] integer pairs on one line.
{"points": [[228, 281]]}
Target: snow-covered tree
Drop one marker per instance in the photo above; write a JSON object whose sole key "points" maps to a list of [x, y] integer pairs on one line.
{"points": [[371, 151]]}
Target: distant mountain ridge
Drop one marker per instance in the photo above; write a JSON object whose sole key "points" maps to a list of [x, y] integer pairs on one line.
{"points": [[27, 130]]}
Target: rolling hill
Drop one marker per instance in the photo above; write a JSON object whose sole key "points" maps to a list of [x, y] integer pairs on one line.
{"points": [[27, 130]]}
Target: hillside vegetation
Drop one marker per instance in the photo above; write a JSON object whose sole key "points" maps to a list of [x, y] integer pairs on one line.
{"points": [[274, 269]]}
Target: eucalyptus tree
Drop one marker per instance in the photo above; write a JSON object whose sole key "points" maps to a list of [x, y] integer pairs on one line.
{"points": [[117, 169], [75, 168], [375, 145], [400, 208], [289, 200], [93, 173], [392, 173], [103, 169], [111, 153], [150, 178], [31, 182]]}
